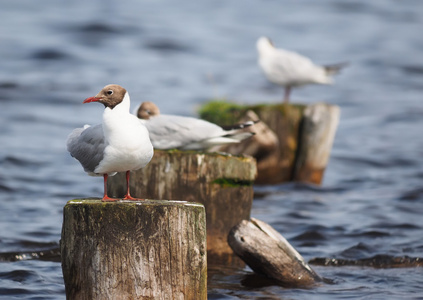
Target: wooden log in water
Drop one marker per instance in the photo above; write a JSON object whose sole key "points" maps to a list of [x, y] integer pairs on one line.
{"points": [[292, 124], [222, 183], [268, 253], [134, 250]]}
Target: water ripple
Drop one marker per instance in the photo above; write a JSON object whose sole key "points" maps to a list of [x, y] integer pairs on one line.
{"points": [[50, 54]]}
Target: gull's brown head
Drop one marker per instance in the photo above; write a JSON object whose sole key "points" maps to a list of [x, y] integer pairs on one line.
{"points": [[110, 96], [147, 109]]}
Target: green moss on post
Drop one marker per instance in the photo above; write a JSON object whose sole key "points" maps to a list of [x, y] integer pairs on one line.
{"points": [[229, 182], [228, 113], [134, 250], [222, 112]]}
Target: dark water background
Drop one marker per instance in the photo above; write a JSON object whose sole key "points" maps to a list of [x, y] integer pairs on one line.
{"points": [[54, 54]]}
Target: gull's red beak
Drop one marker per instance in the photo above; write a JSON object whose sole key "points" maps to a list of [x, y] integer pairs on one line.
{"points": [[92, 99]]}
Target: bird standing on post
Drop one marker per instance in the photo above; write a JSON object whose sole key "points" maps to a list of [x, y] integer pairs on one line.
{"points": [[290, 69], [187, 133], [120, 144]]}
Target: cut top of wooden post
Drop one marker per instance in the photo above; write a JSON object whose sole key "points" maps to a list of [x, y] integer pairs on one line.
{"points": [[151, 249]]}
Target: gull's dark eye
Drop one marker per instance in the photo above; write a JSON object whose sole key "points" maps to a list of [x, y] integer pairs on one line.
{"points": [[109, 92]]}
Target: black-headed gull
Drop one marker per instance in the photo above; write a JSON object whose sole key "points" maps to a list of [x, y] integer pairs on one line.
{"points": [[291, 69], [187, 133], [120, 144]]}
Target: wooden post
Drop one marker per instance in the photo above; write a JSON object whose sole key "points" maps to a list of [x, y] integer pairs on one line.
{"points": [[268, 253], [303, 145], [222, 183], [134, 250], [318, 128], [264, 146]]}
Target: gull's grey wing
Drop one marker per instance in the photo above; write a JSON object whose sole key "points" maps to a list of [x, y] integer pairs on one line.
{"points": [[299, 69], [87, 146], [169, 131]]}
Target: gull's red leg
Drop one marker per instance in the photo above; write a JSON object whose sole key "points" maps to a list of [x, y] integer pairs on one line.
{"points": [[128, 195], [287, 92], [105, 197]]}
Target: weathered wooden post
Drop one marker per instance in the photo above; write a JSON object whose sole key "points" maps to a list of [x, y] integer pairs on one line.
{"points": [[268, 253], [134, 250], [317, 133], [303, 143], [221, 182]]}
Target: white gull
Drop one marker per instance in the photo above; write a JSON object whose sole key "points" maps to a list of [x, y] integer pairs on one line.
{"points": [[120, 144], [290, 69], [187, 133]]}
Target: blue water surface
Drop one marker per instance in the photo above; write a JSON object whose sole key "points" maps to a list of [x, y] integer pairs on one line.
{"points": [[54, 54]]}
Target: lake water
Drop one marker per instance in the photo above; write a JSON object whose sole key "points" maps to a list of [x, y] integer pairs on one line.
{"points": [[179, 54]]}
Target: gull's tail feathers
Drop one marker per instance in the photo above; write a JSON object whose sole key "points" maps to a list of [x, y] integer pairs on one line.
{"points": [[335, 68], [240, 125]]}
